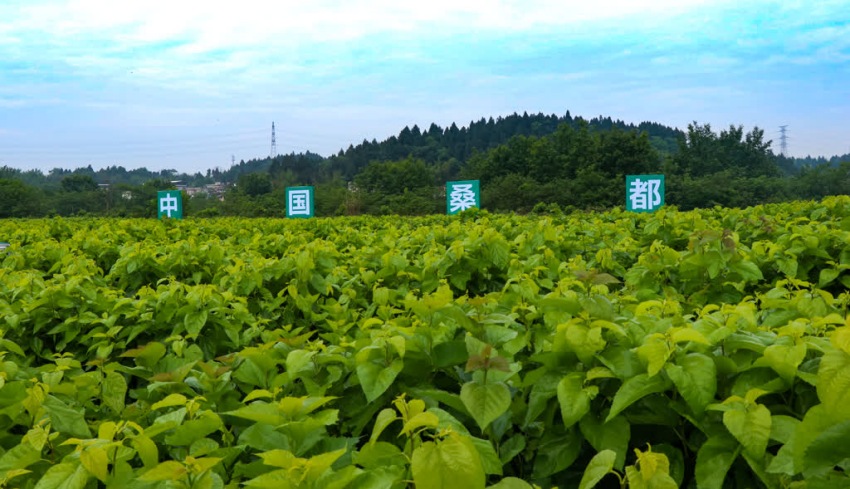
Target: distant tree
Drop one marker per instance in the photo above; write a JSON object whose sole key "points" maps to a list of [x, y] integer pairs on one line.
{"points": [[394, 177], [406, 186], [254, 184], [78, 183], [704, 152], [20, 200]]}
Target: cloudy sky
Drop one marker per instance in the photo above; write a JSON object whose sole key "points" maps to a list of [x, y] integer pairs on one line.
{"points": [[187, 84]]}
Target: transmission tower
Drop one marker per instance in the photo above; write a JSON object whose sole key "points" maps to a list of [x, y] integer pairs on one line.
{"points": [[274, 144], [783, 140]]}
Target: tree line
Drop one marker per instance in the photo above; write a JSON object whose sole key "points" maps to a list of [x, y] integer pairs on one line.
{"points": [[525, 163]]}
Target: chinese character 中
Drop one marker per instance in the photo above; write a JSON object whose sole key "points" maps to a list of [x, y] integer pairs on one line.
{"points": [[299, 202], [645, 194], [461, 198], [168, 204]]}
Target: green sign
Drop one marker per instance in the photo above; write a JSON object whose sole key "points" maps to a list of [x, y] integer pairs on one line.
{"points": [[299, 201], [644, 193], [169, 204], [461, 196]]}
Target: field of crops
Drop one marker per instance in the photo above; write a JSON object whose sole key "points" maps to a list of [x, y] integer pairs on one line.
{"points": [[706, 349]]}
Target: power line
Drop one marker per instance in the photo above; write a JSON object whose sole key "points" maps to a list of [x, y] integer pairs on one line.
{"points": [[274, 144], [783, 140]]}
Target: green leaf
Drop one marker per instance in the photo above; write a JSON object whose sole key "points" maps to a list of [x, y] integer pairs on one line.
{"points": [[542, 390], [714, 459], [278, 458], [676, 460], [485, 402], [379, 478], [747, 270], [600, 465], [276, 479], [64, 476], [148, 355], [202, 447], [451, 462], [654, 352], [634, 389], [652, 472], [375, 379], [450, 353], [511, 483], [147, 450], [384, 419], [613, 434], [66, 419], [95, 460], [834, 382], [260, 412], [114, 391], [784, 359], [166, 471], [19, 457], [750, 425], [511, 448], [379, 454], [556, 452], [426, 420], [194, 429], [695, 377], [11, 346], [574, 400], [782, 428], [827, 275], [681, 335], [298, 361], [790, 459], [170, 400], [489, 459], [195, 321], [829, 449]]}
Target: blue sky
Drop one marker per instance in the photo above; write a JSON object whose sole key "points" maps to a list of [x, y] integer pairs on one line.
{"points": [[185, 84]]}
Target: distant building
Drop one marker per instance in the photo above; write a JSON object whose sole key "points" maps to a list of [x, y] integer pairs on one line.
{"points": [[214, 190]]}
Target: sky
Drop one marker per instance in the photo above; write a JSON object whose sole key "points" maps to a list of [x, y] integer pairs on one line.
{"points": [[190, 85]]}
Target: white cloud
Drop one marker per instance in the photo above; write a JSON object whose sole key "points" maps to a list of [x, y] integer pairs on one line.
{"points": [[215, 24], [186, 63]]}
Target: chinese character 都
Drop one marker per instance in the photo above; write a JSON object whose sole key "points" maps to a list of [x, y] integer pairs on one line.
{"points": [[461, 198], [299, 202], [645, 195]]}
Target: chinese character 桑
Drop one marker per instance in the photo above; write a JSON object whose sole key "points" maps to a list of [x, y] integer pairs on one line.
{"points": [[461, 198]]}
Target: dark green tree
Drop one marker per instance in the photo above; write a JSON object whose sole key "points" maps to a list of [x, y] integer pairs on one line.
{"points": [[254, 184], [20, 200], [78, 183]]}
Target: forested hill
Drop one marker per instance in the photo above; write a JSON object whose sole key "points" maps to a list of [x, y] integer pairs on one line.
{"points": [[453, 143], [522, 161], [812, 161], [450, 147]]}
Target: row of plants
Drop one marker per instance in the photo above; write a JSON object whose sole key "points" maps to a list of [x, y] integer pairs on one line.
{"points": [[703, 349]]}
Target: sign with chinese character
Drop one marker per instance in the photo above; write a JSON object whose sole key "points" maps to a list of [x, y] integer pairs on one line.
{"points": [[299, 201], [644, 193], [169, 204], [461, 196]]}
